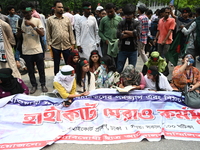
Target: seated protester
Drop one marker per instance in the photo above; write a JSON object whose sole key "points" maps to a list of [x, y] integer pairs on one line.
{"points": [[65, 84], [84, 78], [130, 76], [156, 81], [186, 74], [106, 75], [94, 61], [156, 60], [73, 59], [10, 85]]}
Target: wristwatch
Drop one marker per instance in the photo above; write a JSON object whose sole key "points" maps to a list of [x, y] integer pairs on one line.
{"points": [[35, 28]]}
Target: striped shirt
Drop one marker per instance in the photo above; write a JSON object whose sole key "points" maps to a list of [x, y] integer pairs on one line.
{"points": [[59, 33], [144, 28]]}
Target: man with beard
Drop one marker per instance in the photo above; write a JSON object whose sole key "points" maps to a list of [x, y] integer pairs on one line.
{"points": [[86, 28], [59, 35], [163, 37], [31, 29], [128, 32], [108, 30]]}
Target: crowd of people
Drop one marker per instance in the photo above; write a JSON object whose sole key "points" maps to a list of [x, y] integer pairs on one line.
{"points": [[95, 48]]}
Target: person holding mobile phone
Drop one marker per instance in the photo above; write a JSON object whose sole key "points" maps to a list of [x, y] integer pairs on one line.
{"points": [[186, 74]]}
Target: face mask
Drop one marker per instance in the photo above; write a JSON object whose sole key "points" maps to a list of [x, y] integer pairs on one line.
{"points": [[102, 67]]}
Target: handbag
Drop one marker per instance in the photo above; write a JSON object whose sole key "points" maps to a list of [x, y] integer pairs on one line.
{"points": [[192, 98]]}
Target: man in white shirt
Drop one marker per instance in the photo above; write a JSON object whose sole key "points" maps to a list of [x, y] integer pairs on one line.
{"points": [[87, 32]]}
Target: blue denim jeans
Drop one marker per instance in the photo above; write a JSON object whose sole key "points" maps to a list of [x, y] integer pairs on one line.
{"points": [[122, 56]]}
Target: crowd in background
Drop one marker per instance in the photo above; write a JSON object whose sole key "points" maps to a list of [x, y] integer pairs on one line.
{"points": [[95, 47]]}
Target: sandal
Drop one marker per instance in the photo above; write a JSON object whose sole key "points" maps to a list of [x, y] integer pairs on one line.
{"points": [[67, 103]]}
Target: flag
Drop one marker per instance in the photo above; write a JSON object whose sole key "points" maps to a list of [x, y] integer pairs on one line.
{"points": [[177, 48]]}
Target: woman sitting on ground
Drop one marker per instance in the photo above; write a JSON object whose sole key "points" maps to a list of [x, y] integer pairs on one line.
{"points": [[130, 76], [156, 60], [156, 81], [65, 84], [186, 74], [73, 59], [94, 61], [10, 85], [84, 78], [106, 75]]}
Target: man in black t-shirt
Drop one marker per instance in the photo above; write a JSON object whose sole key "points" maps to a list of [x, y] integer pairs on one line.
{"points": [[128, 32]]}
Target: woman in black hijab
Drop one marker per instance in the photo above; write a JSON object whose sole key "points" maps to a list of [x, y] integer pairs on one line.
{"points": [[10, 85]]}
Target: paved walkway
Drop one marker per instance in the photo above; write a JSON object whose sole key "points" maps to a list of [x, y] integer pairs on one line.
{"points": [[50, 75]]}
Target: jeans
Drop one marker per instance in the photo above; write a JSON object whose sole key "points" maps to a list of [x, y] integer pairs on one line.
{"points": [[30, 60], [123, 55], [17, 55], [56, 58]]}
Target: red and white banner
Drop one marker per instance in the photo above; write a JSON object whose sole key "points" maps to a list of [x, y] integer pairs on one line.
{"points": [[32, 122]]}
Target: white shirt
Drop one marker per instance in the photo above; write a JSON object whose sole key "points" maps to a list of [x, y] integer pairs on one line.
{"points": [[163, 83], [87, 35], [76, 18]]}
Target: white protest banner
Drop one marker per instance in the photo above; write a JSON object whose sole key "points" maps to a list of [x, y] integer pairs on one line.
{"points": [[104, 116]]}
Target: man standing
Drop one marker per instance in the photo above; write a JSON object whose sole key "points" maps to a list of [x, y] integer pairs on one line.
{"points": [[108, 31], [128, 32], [13, 18], [59, 35], [32, 29], [87, 32], [166, 26], [13, 23], [6, 53], [144, 31], [97, 12]]}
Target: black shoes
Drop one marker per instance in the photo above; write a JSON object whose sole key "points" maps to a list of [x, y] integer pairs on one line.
{"points": [[23, 72], [33, 90], [44, 88]]}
